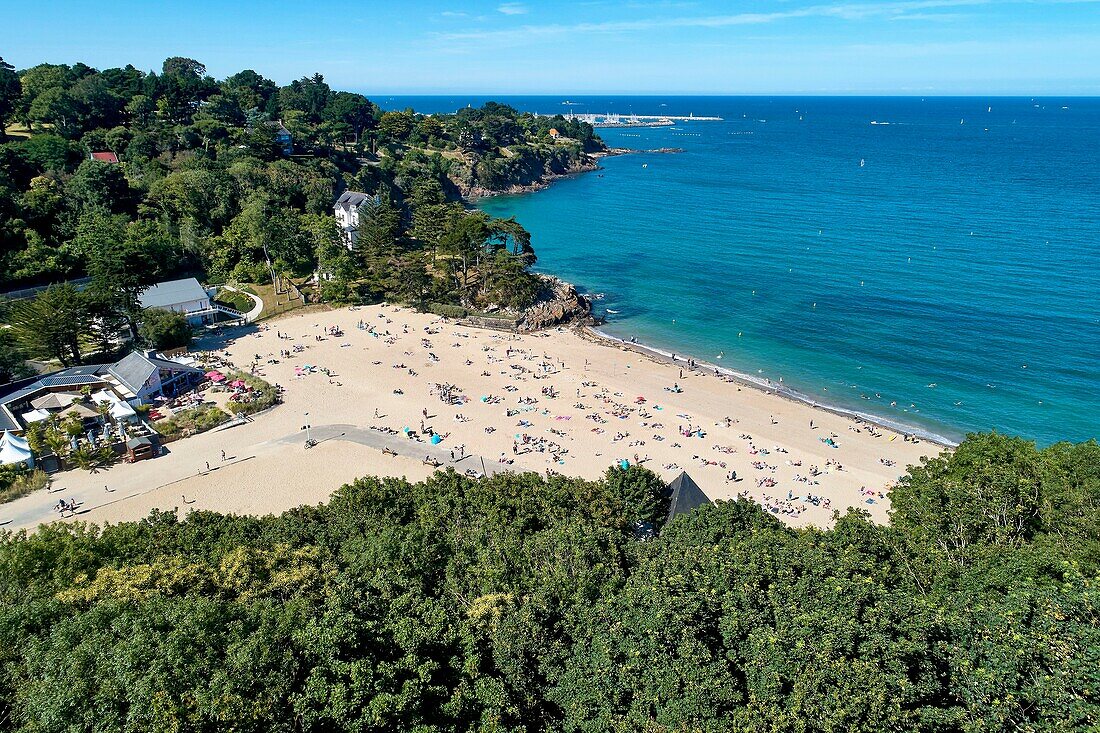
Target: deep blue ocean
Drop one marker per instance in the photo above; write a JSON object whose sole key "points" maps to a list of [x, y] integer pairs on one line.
{"points": [[951, 283]]}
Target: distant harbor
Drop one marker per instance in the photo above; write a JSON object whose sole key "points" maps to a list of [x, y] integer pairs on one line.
{"points": [[632, 120]]}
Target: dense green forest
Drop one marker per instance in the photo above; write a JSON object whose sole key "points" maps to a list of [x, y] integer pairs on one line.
{"points": [[521, 602], [204, 186]]}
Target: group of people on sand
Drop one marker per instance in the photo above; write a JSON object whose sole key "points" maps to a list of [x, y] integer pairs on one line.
{"points": [[545, 427]]}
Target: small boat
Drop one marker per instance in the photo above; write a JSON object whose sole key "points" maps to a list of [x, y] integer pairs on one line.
{"points": [[862, 162], [645, 165], [612, 312]]}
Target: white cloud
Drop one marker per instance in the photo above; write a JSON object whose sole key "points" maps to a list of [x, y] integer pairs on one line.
{"points": [[850, 11]]}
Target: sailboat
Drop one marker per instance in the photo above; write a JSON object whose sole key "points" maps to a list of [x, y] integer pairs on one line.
{"points": [[862, 162]]}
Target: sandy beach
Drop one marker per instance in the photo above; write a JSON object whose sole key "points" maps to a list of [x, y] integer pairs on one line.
{"points": [[548, 401]]}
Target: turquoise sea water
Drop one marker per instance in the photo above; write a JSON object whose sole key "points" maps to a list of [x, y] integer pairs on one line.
{"points": [[963, 254]]}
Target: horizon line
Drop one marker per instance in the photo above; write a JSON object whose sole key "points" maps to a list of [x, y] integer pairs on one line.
{"points": [[907, 95]]}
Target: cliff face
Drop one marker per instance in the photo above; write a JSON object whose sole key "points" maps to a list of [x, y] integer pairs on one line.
{"points": [[519, 169], [559, 303]]}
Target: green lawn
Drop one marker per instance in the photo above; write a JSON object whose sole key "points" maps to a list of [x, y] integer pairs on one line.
{"points": [[237, 301], [274, 305]]}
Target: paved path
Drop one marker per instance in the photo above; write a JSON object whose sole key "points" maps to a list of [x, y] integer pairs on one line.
{"points": [[257, 304], [399, 444], [39, 506]]}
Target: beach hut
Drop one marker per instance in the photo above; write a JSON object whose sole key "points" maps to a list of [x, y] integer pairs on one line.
{"points": [[140, 449], [14, 449], [684, 496]]}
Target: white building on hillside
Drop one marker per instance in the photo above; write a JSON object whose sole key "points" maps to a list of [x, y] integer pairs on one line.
{"points": [[347, 214], [181, 296]]}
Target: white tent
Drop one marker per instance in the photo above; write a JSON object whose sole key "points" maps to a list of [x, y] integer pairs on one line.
{"points": [[35, 416], [122, 411], [14, 449], [119, 410]]}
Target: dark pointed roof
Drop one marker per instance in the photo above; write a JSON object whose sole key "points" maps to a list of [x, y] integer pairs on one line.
{"points": [[685, 496], [351, 199]]}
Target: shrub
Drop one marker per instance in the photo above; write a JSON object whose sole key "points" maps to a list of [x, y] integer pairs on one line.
{"points": [[17, 481], [236, 301], [164, 329], [262, 396], [189, 422], [448, 311]]}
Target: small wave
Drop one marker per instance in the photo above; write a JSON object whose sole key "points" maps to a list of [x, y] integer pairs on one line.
{"points": [[768, 385]]}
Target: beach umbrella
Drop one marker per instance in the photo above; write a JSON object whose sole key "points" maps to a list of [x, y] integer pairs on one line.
{"points": [[436, 440], [215, 376], [624, 464], [238, 383]]}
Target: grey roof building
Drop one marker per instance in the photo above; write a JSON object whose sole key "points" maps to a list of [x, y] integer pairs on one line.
{"points": [[172, 293], [135, 378], [144, 374], [184, 296]]}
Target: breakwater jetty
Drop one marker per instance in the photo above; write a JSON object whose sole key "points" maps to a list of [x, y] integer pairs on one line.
{"points": [[633, 120]]}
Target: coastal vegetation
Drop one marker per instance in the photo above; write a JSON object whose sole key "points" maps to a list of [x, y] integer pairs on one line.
{"points": [[524, 602], [257, 397], [17, 480], [234, 180], [191, 421]]}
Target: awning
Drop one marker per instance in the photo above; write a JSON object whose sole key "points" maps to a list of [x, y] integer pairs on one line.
{"points": [[35, 416]]}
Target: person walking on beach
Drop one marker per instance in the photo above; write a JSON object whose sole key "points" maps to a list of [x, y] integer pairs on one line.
{"points": [[223, 455], [208, 465]]}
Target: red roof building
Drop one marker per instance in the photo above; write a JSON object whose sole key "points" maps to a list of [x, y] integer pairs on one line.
{"points": [[105, 157]]}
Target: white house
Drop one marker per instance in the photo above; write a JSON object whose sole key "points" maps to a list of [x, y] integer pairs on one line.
{"points": [[181, 296], [347, 214]]}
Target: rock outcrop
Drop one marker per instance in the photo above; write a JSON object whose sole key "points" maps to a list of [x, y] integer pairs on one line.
{"points": [[558, 304]]}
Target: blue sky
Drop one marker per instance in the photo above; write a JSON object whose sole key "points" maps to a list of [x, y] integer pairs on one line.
{"points": [[592, 46]]}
